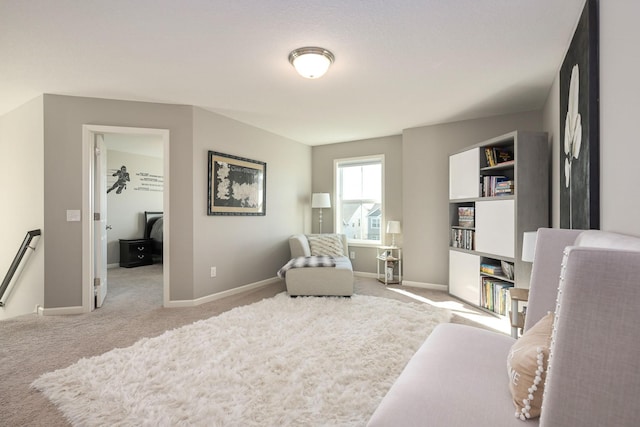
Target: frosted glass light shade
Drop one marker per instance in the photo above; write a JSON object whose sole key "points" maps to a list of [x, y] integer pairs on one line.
{"points": [[311, 62], [320, 200], [529, 245]]}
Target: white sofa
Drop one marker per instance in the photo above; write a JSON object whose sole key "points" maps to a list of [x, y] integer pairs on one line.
{"points": [[458, 378], [318, 281]]}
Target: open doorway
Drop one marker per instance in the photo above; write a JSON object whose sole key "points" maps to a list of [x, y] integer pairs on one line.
{"points": [[127, 178]]}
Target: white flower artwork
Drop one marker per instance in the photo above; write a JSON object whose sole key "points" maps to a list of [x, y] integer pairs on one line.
{"points": [[572, 131], [578, 140], [236, 185]]}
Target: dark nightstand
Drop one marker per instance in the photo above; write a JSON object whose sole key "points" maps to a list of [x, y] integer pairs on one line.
{"points": [[135, 252]]}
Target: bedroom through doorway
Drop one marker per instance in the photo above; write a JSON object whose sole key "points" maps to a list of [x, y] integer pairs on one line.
{"points": [[135, 200], [128, 201]]}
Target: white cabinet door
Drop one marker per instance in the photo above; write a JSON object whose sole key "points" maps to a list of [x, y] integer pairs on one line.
{"points": [[464, 276], [495, 225], [464, 172]]}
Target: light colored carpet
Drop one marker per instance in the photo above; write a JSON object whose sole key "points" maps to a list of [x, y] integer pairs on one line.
{"points": [[280, 361]]}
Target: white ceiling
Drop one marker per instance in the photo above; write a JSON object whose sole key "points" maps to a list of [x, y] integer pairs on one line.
{"points": [[399, 64]]}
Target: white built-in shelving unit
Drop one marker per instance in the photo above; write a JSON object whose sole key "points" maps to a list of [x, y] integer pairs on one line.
{"points": [[499, 220]]}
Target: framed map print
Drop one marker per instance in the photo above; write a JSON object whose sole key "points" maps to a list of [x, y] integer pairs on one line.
{"points": [[237, 186]]}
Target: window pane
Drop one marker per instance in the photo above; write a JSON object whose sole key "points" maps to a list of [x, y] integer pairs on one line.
{"points": [[359, 198], [362, 182], [361, 221], [372, 182], [352, 182]]}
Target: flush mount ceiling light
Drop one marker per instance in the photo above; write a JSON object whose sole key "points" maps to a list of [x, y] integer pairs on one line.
{"points": [[311, 62]]}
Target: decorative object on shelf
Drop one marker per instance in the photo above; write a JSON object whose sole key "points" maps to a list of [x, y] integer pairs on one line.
{"points": [[311, 62], [466, 216], [529, 245], [320, 200], [237, 186], [507, 269], [393, 228], [579, 125], [389, 273]]}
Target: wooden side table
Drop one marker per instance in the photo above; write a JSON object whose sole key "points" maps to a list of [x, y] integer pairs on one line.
{"points": [[390, 258], [517, 317]]}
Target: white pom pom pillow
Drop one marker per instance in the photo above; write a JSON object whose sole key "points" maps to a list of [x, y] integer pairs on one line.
{"points": [[527, 366]]}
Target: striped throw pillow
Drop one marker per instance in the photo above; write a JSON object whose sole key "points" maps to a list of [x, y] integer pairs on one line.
{"points": [[325, 244]]}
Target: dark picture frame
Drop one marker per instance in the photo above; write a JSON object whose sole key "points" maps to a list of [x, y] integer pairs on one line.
{"points": [[237, 186], [579, 126]]}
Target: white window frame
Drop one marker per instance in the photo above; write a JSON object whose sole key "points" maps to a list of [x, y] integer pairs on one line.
{"points": [[336, 191]]}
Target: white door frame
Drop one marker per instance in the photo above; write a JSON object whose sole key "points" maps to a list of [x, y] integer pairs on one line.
{"points": [[88, 237]]}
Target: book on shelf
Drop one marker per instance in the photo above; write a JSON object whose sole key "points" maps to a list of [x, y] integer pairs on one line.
{"points": [[503, 188], [466, 216], [490, 269], [497, 185], [501, 155], [488, 152], [463, 239], [497, 155], [494, 295]]}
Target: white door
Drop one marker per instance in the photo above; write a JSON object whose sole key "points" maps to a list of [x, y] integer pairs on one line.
{"points": [[100, 220]]}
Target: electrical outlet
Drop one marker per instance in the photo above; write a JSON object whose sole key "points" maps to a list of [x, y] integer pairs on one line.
{"points": [[213, 272], [352, 254]]}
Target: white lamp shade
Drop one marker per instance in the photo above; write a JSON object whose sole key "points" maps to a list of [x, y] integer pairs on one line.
{"points": [[320, 200], [529, 245], [393, 227]]}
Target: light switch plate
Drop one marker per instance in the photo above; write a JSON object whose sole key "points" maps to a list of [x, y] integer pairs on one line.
{"points": [[73, 215]]}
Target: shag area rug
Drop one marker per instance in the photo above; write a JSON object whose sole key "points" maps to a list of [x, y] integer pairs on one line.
{"points": [[279, 362]]}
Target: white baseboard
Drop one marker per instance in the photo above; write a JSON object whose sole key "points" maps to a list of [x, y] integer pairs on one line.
{"points": [[365, 274], [219, 295], [58, 311], [423, 285], [117, 264], [180, 303]]}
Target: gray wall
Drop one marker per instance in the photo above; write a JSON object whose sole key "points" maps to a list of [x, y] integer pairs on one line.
{"points": [[63, 120], [619, 111], [246, 249], [425, 168], [551, 125], [416, 187], [323, 182], [22, 199]]}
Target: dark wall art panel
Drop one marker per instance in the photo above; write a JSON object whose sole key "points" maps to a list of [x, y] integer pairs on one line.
{"points": [[579, 126]]}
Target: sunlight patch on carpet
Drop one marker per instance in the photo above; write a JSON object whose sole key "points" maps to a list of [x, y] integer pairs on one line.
{"points": [[281, 361]]}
